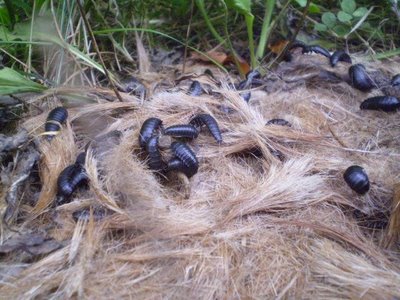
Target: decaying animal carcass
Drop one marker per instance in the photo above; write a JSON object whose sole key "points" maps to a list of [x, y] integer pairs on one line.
{"points": [[254, 226]]}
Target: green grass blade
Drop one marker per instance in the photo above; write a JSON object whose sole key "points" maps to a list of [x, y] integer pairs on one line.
{"points": [[11, 12], [266, 28], [128, 29], [249, 24], [11, 82], [203, 11], [387, 54]]}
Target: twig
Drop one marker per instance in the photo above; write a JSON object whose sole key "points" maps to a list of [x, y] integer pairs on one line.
{"points": [[187, 38], [89, 29]]}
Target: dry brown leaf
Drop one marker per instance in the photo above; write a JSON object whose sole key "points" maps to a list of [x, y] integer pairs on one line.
{"points": [[218, 56], [243, 65], [223, 58], [278, 46]]}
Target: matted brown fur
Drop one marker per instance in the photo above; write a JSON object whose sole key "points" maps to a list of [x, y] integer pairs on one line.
{"points": [[253, 227]]}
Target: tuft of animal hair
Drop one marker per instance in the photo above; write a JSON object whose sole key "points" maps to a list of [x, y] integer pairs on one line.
{"points": [[253, 226]]}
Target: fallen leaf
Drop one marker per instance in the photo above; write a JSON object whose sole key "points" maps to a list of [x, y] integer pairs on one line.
{"points": [[278, 46], [223, 59], [218, 56], [244, 67]]}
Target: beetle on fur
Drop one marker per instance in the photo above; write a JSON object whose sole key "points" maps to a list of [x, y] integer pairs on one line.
{"points": [[69, 179], [280, 122], [54, 121], [195, 89], [357, 179], [147, 130], [155, 161], [175, 164], [317, 49], [384, 103], [182, 131], [186, 155], [360, 79], [210, 122], [339, 55]]}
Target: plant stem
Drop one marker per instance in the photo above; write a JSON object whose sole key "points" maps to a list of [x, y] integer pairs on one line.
{"points": [[11, 13], [228, 40], [200, 5], [187, 37], [249, 24], [266, 28], [29, 63]]}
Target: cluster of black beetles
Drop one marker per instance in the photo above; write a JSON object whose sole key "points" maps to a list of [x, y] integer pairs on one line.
{"points": [[184, 159], [359, 78], [355, 176], [74, 175]]}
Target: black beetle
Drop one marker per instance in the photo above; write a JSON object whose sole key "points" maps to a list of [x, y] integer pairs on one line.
{"points": [[339, 55], [280, 122], [183, 131], [246, 96], [55, 119], [210, 122], [147, 130], [395, 80], [357, 179], [155, 161], [384, 103], [69, 179], [360, 79], [175, 164], [195, 89], [317, 49], [186, 155]]}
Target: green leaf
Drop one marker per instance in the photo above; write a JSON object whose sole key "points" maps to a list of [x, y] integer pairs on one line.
{"points": [[180, 6], [22, 31], [241, 6], [302, 3], [366, 26], [11, 82], [341, 30], [314, 9], [24, 5], [320, 27], [329, 19], [5, 18], [344, 17], [360, 12], [348, 6], [359, 22]]}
